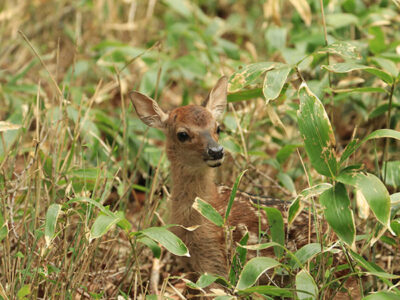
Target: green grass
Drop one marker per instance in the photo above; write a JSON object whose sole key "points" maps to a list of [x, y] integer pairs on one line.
{"points": [[84, 184]]}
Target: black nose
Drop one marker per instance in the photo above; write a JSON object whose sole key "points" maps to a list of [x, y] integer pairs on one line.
{"points": [[216, 152]]}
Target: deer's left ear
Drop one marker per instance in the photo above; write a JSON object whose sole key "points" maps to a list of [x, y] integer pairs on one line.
{"points": [[216, 101]]}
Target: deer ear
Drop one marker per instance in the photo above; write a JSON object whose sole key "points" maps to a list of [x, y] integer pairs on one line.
{"points": [[216, 101], [148, 110]]}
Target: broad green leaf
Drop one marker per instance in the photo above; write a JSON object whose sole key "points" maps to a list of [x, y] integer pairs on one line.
{"points": [[269, 290], [152, 245], [3, 227], [377, 40], [317, 133], [373, 190], [245, 95], [342, 48], [52, 215], [284, 153], [381, 109], [395, 225], [208, 211], [383, 295], [233, 195], [297, 205], [304, 282], [350, 66], [276, 226], [274, 81], [295, 209], [365, 89], [254, 268], [380, 133], [338, 20], [369, 266], [391, 173], [167, 239], [286, 181], [24, 291], [337, 212], [248, 74], [306, 253], [387, 65], [102, 225], [205, 280], [349, 150]]}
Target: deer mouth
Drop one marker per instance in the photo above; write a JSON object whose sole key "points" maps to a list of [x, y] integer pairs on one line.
{"points": [[213, 163]]}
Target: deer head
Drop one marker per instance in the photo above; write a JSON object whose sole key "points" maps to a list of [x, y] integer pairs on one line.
{"points": [[192, 131]]}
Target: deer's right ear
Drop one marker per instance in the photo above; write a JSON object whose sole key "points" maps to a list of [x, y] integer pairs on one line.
{"points": [[148, 110]]}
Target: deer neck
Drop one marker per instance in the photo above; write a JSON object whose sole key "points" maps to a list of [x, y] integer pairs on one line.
{"points": [[189, 183]]}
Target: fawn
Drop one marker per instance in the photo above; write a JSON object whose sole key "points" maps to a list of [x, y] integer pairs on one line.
{"points": [[193, 150]]}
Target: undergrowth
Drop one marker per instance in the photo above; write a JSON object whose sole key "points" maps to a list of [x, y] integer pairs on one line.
{"points": [[313, 118]]}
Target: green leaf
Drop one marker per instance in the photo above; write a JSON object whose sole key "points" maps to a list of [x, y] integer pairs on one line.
{"points": [[102, 225], [365, 89], [342, 48], [52, 215], [395, 225], [276, 225], [306, 253], [233, 195], [350, 66], [387, 65], [304, 282], [274, 81], [208, 211], [391, 173], [338, 214], [269, 290], [245, 95], [3, 227], [24, 291], [167, 239], [380, 133], [377, 42], [239, 259], [369, 266], [338, 20], [254, 268], [317, 133], [374, 192], [297, 205], [295, 209], [383, 295], [205, 280], [248, 74], [152, 245], [381, 109], [284, 153]]}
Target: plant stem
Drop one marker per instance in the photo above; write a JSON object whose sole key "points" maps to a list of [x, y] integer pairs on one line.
{"points": [[385, 150]]}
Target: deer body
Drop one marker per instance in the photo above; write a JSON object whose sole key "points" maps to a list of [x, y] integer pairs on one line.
{"points": [[193, 150]]}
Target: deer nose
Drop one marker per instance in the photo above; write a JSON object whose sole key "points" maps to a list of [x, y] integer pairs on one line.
{"points": [[216, 152]]}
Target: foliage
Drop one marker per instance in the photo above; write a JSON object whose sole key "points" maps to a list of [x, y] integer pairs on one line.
{"points": [[315, 107]]}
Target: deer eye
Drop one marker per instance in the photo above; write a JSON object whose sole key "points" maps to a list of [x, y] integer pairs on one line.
{"points": [[182, 136], [218, 129]]}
